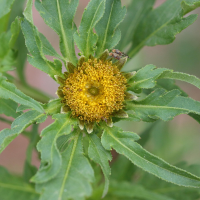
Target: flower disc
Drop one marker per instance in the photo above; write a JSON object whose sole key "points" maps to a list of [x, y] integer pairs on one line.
{"points": [[95, 90]]}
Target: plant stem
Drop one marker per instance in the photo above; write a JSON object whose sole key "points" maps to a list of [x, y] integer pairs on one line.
{"points": [[33, 92]]}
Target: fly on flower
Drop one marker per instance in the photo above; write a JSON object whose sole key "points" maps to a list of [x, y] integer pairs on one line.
{"points": [[117, 54]]}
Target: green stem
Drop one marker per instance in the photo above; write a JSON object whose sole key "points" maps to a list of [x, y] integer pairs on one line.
{"points": [[5, 120], [33, 92]]}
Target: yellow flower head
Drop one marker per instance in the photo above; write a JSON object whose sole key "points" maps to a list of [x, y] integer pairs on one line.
{"points": [[95, 90]]}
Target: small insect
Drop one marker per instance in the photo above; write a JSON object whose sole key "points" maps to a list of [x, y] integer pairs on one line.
{"points": [[117, 54]]}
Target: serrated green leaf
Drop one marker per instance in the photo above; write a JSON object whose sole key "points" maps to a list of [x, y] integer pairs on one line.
{"points": [[107, 28], [19, 125], [136, 11], [74, 178], [51, 160], [48, 49], [161, 25], [5, 7], [12, 187], [8, 107], [53, 107], [85, 38], [164, 105], [173, 191], [190, 5], [9, 91], [181, 77], [22, 108], [145, 78], [98, 154], [59, 15], [124, 143], [37, 58], [126, 189]]}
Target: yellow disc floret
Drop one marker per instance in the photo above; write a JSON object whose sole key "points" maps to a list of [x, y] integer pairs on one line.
{"points": [[95, 90]]}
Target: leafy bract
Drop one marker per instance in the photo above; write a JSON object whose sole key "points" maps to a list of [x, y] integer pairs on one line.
{"points": [[53, 107], [8, 107], [85, 38], [126, 189], [59, 15], [98, 154], [50, 156], [19, 125], [145, 78], [5, 7], [181, 77], [164, 105], [9, 91], [107, 28], [124, 143], [36, 48], [160, 26], [75, 175], [12, 187]]}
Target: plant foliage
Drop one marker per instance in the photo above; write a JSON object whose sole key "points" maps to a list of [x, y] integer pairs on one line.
{"points": [[76, 165]]}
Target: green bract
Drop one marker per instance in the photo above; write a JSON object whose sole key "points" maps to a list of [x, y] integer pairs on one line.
{"points": [[73, 149]]}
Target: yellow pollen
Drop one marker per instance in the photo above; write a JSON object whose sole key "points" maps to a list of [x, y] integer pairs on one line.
{"points": [[95, 90]]}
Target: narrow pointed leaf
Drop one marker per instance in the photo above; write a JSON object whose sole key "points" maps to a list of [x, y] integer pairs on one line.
{"points": [[37, 45], [14, 31], [145, 78], [37, 58], [74, 178], [170, 21], [9, 91], [48, 49], [107, 28], [51, 160], [19, 125], [164, 105], [101, 156], [85, 38], [181, 77], [59, 15], [8, 107], [124, 143], [12, 187]]}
